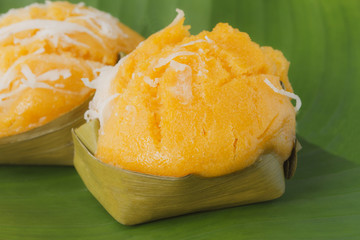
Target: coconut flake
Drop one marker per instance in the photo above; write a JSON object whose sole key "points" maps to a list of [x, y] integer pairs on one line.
{"points": [[150, 82], [100, 111], [4, 96], [31, 81], [192, 43], [47, 29], [179, 16], [59, 85], [98, 107], [164, 61], [285, 93], [53, 30], [103, 22], [30, 77], [10, 74], [209, 40], [54, 75], [183, 88]]}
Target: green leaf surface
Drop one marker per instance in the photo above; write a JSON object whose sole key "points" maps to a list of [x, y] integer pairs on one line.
{"points": [[321, 40]]}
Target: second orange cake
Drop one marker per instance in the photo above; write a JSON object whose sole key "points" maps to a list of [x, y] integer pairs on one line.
{"points": [[209, 104], [45, 51]]}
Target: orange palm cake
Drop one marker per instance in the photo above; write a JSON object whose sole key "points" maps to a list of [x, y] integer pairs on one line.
{"points": [[46, 49], [209, 104]]}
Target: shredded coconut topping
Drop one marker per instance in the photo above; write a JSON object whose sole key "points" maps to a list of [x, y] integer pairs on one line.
{"points": [[53, 30], [101, 21], [54, 75], [209, 40], [180, 15], [98, 107], [285, 93], [32, 81], [192, 43], [20, 76], [47, 29], [183, 88], [164, 61], [90, 21], [150, 82]]}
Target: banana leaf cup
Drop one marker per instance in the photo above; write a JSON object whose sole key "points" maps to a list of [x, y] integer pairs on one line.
{"points": [[134, 198], [50, 144]]}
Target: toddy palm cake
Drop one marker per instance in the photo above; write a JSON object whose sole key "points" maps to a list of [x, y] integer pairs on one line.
{"points": [[46, 49], [189, 123]]}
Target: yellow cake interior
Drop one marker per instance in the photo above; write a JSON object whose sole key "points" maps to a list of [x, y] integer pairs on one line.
{"points": [[207, 104]]}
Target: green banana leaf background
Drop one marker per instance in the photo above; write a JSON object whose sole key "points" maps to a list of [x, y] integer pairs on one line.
{"points": [[321, 39]]}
